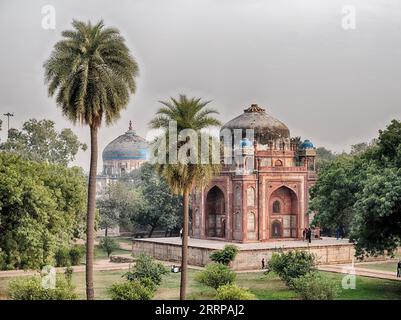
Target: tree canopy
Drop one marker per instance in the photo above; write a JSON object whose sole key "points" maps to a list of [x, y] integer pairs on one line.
{"points": [[361, 192], [41, 208], [40, 141]]}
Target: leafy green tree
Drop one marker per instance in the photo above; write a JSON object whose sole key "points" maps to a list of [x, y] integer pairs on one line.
{"points": [[323, 157], [363, 192], [291, 265], [92, 75], [233, 292], [160, 207], [40, 141], [146, 269], [334, 194], [188, 113], [215, 275], [109, 245], [41, 207], [117, 206], [226, 255]]}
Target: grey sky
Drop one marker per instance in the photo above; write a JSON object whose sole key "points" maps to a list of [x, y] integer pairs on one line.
{"points": [[334, 86]]}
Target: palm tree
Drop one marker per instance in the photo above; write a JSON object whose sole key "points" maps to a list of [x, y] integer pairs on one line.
{"points": [[188, 113], [92, 74]]}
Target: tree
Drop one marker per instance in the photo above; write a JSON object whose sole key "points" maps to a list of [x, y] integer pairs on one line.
{"points": [[109, 245], [92, 74], [334, 194], [117, 206], [160, 207], [363, 191], [41, 206], [323, 157], [40, 141], [188, 113]]}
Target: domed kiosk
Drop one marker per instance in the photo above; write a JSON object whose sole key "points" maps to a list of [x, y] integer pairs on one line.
{"points": [[261, 193], [125, 153]]}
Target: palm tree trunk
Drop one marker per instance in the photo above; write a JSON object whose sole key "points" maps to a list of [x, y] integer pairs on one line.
{"points": [[90, 218], [184, 252]]}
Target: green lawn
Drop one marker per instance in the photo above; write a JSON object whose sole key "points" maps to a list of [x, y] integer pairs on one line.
{"points": [[265, 287]]}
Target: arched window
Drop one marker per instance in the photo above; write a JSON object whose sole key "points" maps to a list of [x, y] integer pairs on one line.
{"points": [[251, 222], [278, 163], [251, 196], [237, 196], [276, 206], [197, 218], [237, 221]]}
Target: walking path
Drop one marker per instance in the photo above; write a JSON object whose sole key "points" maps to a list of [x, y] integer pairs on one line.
{"points": [[346, 269]]}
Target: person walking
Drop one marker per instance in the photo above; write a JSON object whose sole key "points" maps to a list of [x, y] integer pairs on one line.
{"points": [[304, 234], [309, 235], [263, 263], [399, 269]]}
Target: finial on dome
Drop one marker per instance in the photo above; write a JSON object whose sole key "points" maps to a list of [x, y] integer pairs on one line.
{"points": [[254, 108], [130, 126]]}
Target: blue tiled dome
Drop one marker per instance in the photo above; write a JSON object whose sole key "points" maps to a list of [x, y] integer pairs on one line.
{"points": [[246, 143], [128, 146], [307, 144]]}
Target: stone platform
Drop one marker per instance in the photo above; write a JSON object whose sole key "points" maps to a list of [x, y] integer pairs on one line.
{"points": [[327, 250]]}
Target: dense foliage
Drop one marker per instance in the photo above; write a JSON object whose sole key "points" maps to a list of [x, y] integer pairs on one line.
{"points": [[233, 292], [146, 269], [361, 193], [226, 255], [40, 141], [108, 245], [315, 286], [41, 209], [31, 288], [130, 290], [291, 265], [216, 275], [159, 207]]}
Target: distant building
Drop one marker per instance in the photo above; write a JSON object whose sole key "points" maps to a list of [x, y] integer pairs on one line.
{"points": [[122, 155], [265, 196]]}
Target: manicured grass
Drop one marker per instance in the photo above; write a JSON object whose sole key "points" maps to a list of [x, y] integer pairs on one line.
{"points": [[265, 287]]}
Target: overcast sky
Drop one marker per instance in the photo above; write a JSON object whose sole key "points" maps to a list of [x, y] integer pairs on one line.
{"points": [[333, 86]]}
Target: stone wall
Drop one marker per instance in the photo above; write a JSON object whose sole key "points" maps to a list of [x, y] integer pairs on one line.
{"points": [[246, 259]]}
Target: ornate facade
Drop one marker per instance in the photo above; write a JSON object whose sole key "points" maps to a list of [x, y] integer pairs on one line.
{"points": [[264, 195]]}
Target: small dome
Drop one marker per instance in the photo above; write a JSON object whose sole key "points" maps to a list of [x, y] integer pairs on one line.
{"points": [[266, 127], [128, 146], [246, 143], [307, 144]]}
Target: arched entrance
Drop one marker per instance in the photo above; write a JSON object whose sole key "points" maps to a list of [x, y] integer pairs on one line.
{"points": [[276, 229], [283, 213], [215, 213]]}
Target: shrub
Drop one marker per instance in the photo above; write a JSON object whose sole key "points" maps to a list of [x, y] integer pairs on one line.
{"points": [[68, 274], [146, 269], [226, 255], [314, 286], [76, 254], [291, 265], [233, 292], [62, 256], [216, 275], [31, 289], [130, 290], [109, 245]]}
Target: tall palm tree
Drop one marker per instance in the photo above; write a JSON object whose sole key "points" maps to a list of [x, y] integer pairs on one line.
{"points": [[188, 113], [92, 74]]}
